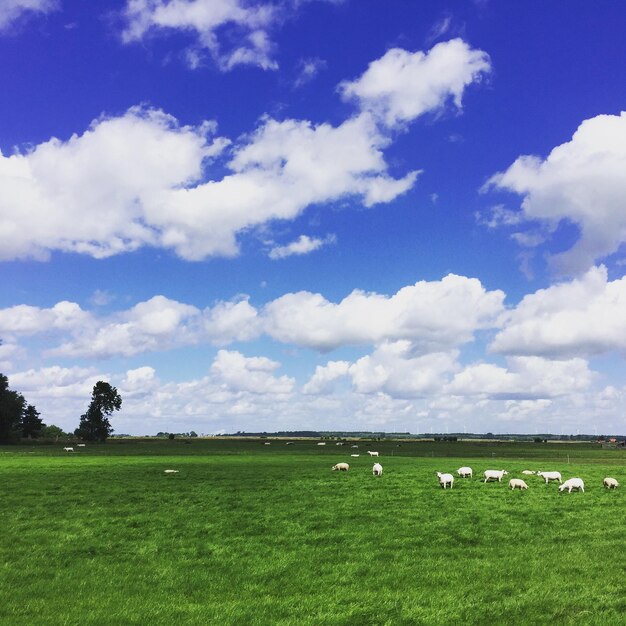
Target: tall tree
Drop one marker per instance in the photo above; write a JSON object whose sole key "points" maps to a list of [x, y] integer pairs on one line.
{"points": [[32, 424], [94, 424], [11, 410]]}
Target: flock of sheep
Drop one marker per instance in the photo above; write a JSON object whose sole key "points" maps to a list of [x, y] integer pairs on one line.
{"points": [[517, 483], [446, 479]]}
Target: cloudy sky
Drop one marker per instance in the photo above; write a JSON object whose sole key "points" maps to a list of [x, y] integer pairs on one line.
{"points": [[321, 214]]}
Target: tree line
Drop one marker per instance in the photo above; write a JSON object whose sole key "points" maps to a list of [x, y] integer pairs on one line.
{"points": [[21, 420]]}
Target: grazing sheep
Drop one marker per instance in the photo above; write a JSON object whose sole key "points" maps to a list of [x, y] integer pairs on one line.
{"points": [[321, 443], [445, 479], [289, 443], [517, 483], [377, 470], [494, 475], [354, 446], [464, 472], [81, 445], [548, 476], [372, 453], [170, 471], [354, 455], [611, 483], [342, 467], [68, 449], [573, 483], [267, 443], [528, 472], [339, 443]]}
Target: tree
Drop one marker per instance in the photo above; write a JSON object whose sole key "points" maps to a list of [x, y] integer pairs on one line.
{"points": [[52, 432], [94, 424], [32, 424], [11, 410]]}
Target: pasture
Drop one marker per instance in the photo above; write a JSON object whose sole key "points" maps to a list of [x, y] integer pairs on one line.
{"points": [[253, 534]]}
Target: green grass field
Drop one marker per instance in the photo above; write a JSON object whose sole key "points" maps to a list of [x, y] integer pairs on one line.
{"points": [[254, 534]]}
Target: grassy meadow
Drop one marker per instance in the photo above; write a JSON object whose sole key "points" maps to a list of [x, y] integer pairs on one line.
{"points": [[253, 534]]}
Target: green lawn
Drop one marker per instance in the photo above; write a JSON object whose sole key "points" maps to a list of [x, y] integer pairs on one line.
{"points": [[254, 534]]}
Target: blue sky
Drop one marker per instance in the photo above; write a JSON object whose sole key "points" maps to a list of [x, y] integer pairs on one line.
{"points": [[315, 214]]}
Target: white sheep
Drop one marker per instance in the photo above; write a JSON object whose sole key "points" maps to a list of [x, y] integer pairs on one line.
{"points": [[68, 449], [267, 443], [342, 467], [372, 453], [170, 471], [289, 443], [464, 472], [445, 479], [528, 472], [611, 483], [377, 470], [548, 476], [321, 443], [573, 483], [494, 475], [339, 443], [81, 445], [354, 455], [517, 483], [354, 446]]}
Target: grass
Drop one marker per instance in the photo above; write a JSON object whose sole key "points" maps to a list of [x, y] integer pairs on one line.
{"points": [[253, 534]]}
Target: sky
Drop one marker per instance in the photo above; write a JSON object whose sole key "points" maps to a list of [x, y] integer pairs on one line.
{"points": [[384, 215]]}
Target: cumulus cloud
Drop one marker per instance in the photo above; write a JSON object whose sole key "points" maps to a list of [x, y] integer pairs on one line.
{"points": [[426, 313], [324, 377], [13, 10], [583, 317], [308, 69], [233, 32], [402, 85], [303, 245], [582, 182], [393, 369], [524, 378], [135, 180]]}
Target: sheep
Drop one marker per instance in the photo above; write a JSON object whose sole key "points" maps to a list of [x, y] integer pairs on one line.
{"points": [[354, 446], [81, 445], [321, 443], [339, 443], [528, 472], [342, 467], [373, 453], [289, 443], [517, 483], [170, 471], [548, 476], [573, 483], [445, 479], [494, 475], [611, 483], [354, 455], [377, 470], [267, 443], [464, 472], [68, 449]]}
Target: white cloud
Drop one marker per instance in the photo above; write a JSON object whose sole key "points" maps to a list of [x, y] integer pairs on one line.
{"points": [[324, 376], [13, 10], [582, 181], [426, 313], [303, 245], [237, 373], [233, 32], [393, 370], [525, 377], [28, 320], [577, 318], [401, 85], [134, 180], [308, 69]]}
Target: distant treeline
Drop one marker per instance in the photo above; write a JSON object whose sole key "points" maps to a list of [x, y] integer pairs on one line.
{"points": [[321, 434]]}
